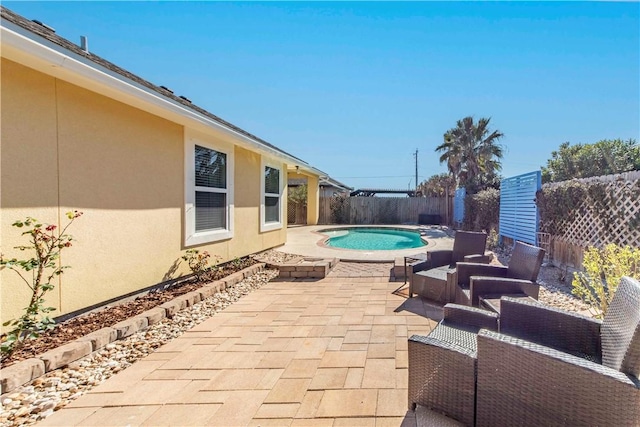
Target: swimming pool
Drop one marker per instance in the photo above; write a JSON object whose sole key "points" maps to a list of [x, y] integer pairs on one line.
{"points": [[373, 238]]}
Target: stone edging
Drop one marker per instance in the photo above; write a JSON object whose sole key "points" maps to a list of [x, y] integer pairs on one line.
{"points": [[25, 371]]}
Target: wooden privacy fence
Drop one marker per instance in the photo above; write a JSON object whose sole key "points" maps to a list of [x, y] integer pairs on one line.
{"points": [[382, 210], [610, 213]]}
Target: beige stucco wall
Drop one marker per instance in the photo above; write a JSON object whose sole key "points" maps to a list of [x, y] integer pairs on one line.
{"points": [[64, 148]]}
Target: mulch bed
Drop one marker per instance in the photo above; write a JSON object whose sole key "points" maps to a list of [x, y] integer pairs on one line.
{"points": [[85, 324]]}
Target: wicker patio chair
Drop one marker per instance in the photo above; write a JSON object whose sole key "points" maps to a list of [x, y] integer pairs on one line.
{"points": [[442, 365], [430, 278], [519, 277], [549, 367]]}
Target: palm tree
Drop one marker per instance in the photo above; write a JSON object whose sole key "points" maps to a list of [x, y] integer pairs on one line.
{"points": [[472, 153]]}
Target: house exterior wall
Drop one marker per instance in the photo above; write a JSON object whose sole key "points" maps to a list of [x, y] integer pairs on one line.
{"points": [[65, 148]]}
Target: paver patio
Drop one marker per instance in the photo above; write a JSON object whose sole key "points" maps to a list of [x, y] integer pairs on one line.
{"points": [[292, 353]]}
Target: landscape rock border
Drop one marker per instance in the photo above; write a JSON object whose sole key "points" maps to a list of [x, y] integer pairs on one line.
{"points": [[25, 371]]}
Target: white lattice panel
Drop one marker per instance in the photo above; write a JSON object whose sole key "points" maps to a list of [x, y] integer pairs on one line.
{"points": [[623, 205]]}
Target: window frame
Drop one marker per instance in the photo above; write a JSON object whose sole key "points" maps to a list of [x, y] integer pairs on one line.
{"points": [[191, 236], [272, 225]]}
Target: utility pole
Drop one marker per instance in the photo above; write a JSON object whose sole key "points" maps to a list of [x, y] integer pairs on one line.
{"points": [[416, 156]]}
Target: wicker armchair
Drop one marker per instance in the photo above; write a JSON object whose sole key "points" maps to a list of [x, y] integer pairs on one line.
{"points": [[550, 367], [442, 365], [430, 278], [519, 277]]}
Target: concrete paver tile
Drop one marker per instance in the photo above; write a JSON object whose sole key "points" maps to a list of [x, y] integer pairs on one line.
{"points": [[354, 378], [354, 347], [68, 417], [277, 410], [128, 415], [356, 337], [229, 331], [96, 400], [316, 331], [162, 356], [402, 378], [335, 344], [254, 337], [274, 360], [355, 422], [301, 368], [167, 374], [348, 403], [182, 415], [312, 348], [402, 359], [199, 374], [383, 334], [312, 422], [270, 422], [270, 378], [328, 378], [153, 392], [178, 345], [196, 396], [275, 344], [342, 359], [288, 390], [235, 379], [379, 373], [238, 409], [226, 344], [381, 351], [335, 331], [292, 331], [401, 331], [407, 421], [310, 404], [226, 360], [391, 403]]}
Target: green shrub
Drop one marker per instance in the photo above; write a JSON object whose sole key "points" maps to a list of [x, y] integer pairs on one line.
{"points": [[603, 269], [482, 210], [199, 263]]}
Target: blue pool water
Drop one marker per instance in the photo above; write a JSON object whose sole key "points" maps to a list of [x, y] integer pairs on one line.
{"points": [[373, 239]]}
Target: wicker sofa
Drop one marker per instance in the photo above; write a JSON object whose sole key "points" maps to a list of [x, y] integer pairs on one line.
{"points": [[545, 367], [551, 367], [442, 365], [519, 277], [433, 278]]}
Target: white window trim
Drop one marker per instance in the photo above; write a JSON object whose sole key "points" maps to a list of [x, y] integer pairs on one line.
{"points": [[276, 225], [191, 237]]}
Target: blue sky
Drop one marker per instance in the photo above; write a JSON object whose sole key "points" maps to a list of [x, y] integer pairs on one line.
{"points": [[355, 88]]}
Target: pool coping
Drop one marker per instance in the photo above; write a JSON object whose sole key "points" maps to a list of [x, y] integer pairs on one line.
{"points": [[307, 241]]}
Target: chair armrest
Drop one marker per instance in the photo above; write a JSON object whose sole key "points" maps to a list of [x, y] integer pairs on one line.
{"points": [[520, 380], [478, 258], [440, 257], [463, 315], [467, 269], [481, 285], [551, 327]]}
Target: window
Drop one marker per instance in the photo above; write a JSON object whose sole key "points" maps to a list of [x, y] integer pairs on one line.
{"points": [[211, 189], [271, 206], [208, 193]]}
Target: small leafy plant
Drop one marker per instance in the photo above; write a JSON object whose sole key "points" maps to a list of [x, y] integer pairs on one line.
{"points": [[42, 267], [199, 262], [603, 269]]}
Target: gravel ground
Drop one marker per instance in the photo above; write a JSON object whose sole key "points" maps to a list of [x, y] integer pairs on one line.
{"points": [[46, 394]]}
